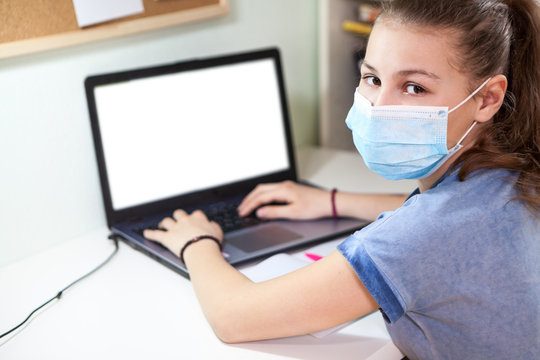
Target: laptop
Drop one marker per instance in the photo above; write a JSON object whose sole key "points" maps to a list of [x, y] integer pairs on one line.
{"points": [[198, 134]]}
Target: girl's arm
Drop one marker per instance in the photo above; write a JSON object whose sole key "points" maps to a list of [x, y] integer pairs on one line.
{"points": [[367, 206], [319, 296], [305, 202]]}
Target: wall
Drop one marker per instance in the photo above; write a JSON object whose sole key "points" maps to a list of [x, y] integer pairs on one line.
{"points": [[49, 187]]}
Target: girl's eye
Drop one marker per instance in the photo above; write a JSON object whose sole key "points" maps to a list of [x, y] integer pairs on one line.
{"points": [[414, 89], [372, 80]]}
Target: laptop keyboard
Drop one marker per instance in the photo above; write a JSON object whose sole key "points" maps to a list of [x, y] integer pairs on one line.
{"points": [[225, 214]]}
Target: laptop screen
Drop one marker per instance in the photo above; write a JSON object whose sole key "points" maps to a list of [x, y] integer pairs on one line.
{"points": [[173, 134]]}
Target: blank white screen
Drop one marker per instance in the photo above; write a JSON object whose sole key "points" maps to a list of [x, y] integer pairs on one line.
{"points": [[174, 134]]}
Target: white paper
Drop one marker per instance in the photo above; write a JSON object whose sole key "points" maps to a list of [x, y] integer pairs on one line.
{"points": [[90, 12], [387, 352], [273, 267]]}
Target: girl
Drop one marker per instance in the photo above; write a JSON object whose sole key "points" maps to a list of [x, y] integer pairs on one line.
{"points": [[449, 95]]}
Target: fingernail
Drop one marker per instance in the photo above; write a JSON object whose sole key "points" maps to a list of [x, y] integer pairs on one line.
{"points": [[261, 212]]}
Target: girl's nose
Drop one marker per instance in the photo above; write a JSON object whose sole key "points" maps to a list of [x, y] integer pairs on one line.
{"points": [[384, 97]]}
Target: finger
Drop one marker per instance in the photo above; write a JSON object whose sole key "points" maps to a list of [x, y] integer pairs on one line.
{"points": [[247, 204], [259, 189], [249, 197], [199, 215], [179, 213], [275, 212], [154, 235], [279, 194], [166, 223], [251, 204]]}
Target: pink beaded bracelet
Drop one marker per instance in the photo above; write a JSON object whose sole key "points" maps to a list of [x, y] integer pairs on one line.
{"points": [[333, 200]]}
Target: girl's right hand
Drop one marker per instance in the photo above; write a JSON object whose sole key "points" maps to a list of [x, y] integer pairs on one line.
{"points": [[301, 202]]}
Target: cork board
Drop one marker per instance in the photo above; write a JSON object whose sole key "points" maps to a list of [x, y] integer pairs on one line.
{"points": [[28, 26]]}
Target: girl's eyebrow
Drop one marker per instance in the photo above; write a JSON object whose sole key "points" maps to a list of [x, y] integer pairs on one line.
{"points": [[405, 72], [419, 72]]}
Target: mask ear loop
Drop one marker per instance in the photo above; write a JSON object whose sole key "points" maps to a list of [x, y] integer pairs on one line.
{"points": [[455, 149], [467, 133], [470, 96], [463, 102]]}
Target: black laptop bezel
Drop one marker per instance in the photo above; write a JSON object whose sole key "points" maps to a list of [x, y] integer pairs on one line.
{"points": [[194, 198]]}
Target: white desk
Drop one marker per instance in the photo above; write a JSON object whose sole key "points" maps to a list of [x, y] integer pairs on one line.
{"points": [[135, 308]]}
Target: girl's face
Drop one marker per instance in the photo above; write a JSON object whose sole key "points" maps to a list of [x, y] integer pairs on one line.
{"points": [[412, 65]]}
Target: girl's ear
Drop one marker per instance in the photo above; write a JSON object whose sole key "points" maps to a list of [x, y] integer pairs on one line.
{"points": [[492, 98]]}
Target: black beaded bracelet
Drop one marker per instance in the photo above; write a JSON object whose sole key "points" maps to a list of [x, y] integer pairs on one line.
{"points": [[198, 238]]}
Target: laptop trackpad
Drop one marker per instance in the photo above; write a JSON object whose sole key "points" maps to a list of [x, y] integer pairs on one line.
{"points": [[261, 238]]}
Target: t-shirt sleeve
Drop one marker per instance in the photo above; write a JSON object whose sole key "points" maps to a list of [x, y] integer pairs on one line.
{"points": [[372, 278], [388, 257]]}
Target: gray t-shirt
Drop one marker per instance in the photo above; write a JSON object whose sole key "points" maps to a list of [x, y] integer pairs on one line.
{"points": [[456, 270]]}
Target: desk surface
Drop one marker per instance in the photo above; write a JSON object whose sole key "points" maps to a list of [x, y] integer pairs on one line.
{"points": [[136, 308]]}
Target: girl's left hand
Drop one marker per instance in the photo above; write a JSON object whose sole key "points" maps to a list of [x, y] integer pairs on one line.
{"points": [[181, 228]]}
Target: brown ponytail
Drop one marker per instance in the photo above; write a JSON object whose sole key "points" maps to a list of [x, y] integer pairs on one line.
{"points": [[494, 37]]}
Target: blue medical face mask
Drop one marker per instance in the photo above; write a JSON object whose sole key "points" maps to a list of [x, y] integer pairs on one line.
{"points": [[402, 142]]}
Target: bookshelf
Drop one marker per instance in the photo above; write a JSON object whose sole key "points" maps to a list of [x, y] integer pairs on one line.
{"points": [[338, 70]]}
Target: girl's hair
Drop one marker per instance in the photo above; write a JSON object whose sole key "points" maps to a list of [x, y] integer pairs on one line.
{"points": [[494, 37]]}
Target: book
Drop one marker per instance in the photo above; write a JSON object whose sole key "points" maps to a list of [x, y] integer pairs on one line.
{"points": [[356, 27]]}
